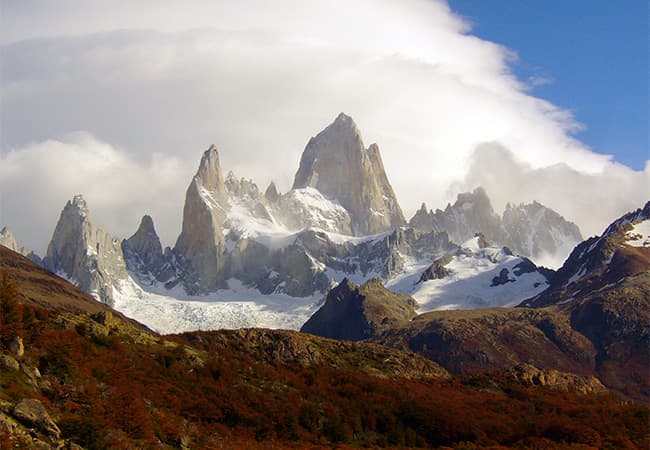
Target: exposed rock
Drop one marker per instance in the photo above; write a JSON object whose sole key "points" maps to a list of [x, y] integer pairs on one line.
{"points": [[8, 362], [84, 253], [337, 164], [32, 412], [16, 347], [143, 254], [358, 312], [272, 194], [201, 242], [534, 230], [502, 278], [437, 270], [472, 213], [304, 350], [530, 230], [530, 375]]}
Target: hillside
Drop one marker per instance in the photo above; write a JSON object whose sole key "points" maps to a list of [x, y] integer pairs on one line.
{"points": [[86, 377]]}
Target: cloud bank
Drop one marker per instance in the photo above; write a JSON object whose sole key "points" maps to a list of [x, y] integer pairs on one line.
{"points": [[152, 86]]}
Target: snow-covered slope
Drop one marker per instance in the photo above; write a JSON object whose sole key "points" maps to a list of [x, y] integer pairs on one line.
{"points": [[474, 276], [174, 311]]}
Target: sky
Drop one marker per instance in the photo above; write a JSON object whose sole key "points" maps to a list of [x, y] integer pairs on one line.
{"points": [[117, 100]]}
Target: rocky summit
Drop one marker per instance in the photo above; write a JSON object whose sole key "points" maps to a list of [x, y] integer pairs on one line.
{"points": [[201, 241], [337, 164], [530, 230], [84, 253]]}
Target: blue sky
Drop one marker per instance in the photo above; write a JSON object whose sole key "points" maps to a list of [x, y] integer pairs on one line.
{"points": [[594, 52]]}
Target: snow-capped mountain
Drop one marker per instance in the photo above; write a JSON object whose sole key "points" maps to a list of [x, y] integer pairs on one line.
{"points": [[530, 230], [473, 275], [250, 258], [84, 253], [338, 165], [603, 262]]}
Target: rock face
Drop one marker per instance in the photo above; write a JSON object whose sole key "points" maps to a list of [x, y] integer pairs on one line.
{"points": [[355, 312], [8, 240], [201, 242], [530, 375], [530, 230], [337, 164], [32, 412], [534, 230], [144, 255], [84, 253]]}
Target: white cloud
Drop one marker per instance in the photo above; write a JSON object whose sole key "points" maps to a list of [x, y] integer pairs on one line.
{"points": [[592, 200], [37, 180], [257, 79]]}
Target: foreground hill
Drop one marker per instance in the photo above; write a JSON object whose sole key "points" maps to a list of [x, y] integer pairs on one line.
{"points": [[73, 373]]}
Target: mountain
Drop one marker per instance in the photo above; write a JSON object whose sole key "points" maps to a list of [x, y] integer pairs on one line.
{"points": [[247, 257], [474, 274], [144, 255], [530, 230], [602, 262], [84, 253], [201, 242], [337, 164], [358, 312], [590, 320], [538, 232], [73, 374], [8, 240]]}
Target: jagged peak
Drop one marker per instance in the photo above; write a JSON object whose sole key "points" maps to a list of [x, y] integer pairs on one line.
{"points": [[146, 225], [272, 193], [344, 119], [209, 172], [6, 232], [343, 125], [423, 208], [77, 204]]}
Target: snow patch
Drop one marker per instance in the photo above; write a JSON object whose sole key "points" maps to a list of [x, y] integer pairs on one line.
{"points": [[639, 236]]}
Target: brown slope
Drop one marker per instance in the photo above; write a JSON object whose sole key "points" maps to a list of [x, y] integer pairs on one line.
{"points": [[354, 312], [41, 287]]}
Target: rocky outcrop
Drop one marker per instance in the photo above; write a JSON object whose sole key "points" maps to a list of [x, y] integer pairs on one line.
{"points": [[354, 313], [530, 375], [272, 194], [437, 270], [201, 242], [303, 350], [336, 163], [84, 253], [32, 412]]}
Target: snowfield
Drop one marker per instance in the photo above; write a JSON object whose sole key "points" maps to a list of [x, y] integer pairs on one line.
{"points": [[639, 236], [470, 283], [239, 306], [173, 311]]}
